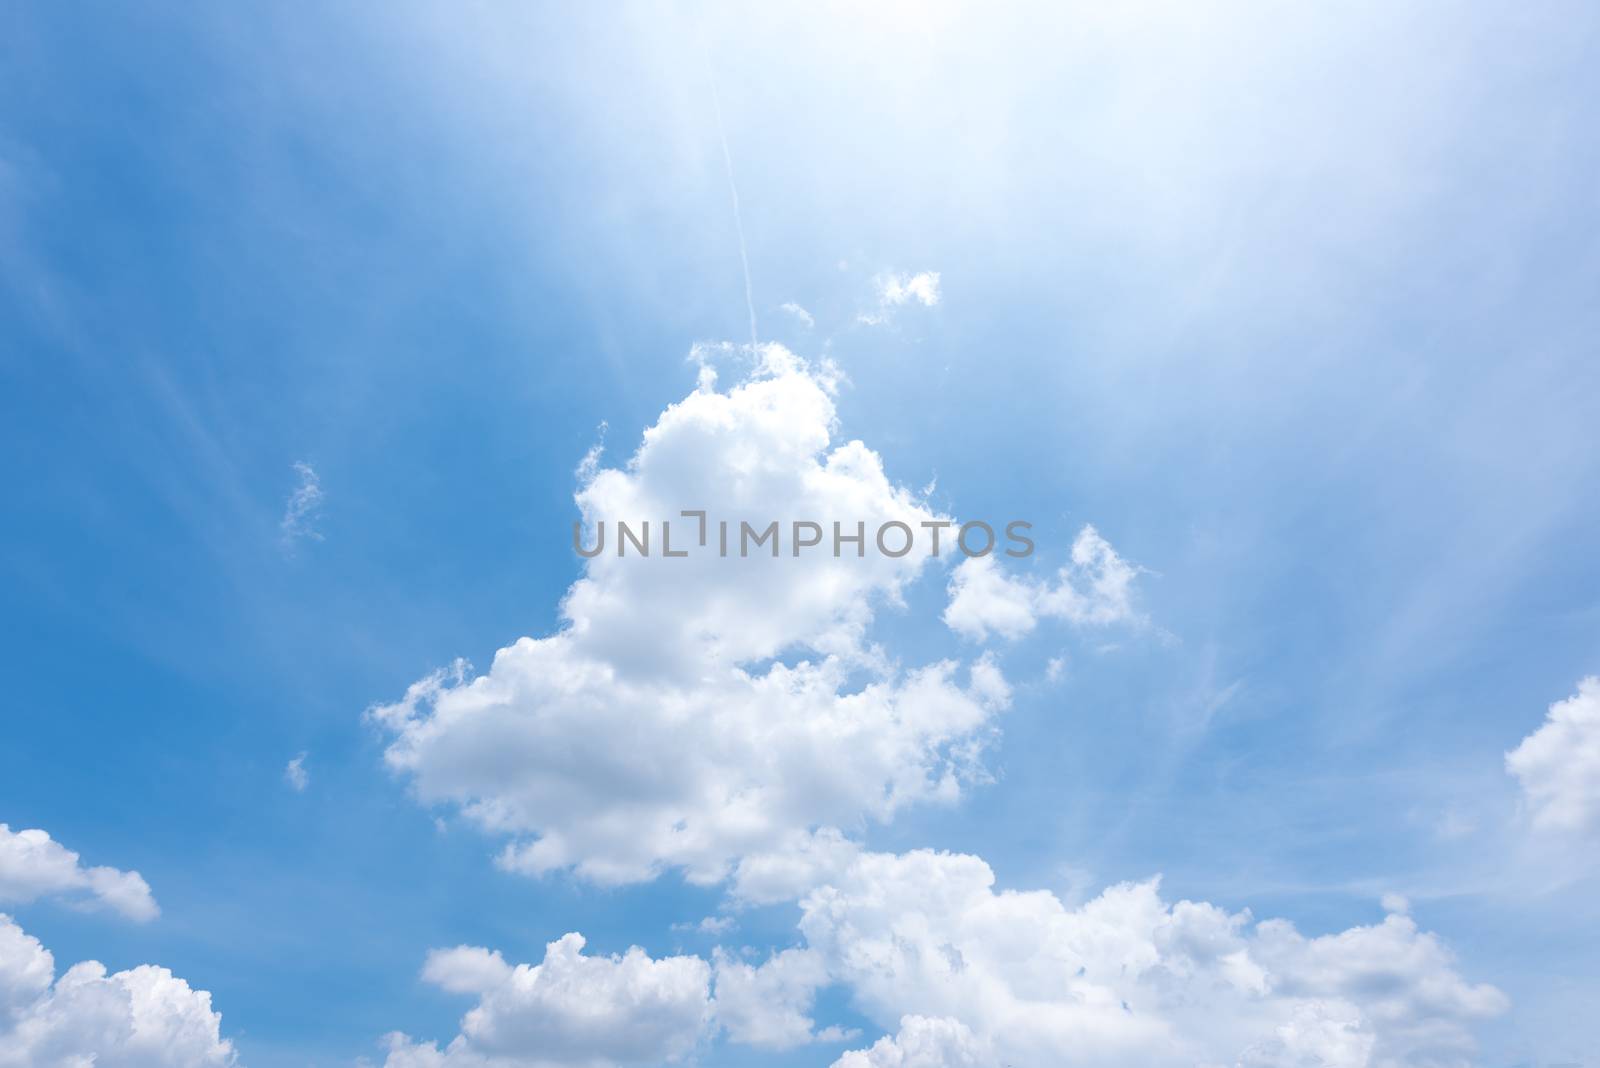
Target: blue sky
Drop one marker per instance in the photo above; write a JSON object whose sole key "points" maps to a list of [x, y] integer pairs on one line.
{"points": [[1295, 308]]}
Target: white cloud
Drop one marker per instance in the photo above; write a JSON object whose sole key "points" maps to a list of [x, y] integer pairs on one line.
{"points": [[983, 599], [728, 716], [466, 970], [621, 1010], [654, 729], [926, 943], [1393, 902], [801, 315], [144, 1017], [33, 865], [716, 925], [1324, 1034], [798, 862], [302, 509], [1094, 588], [897, 289], [589, 466], [295, 773], [769, 1005], [923, 288], [709, 925], [923, 1043], [968, 977], [571, 1010], [1558, 765]]}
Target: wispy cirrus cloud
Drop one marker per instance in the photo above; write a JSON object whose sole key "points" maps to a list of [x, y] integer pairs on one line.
{"points": [[801, 316], [303, 508], [295, 773]]}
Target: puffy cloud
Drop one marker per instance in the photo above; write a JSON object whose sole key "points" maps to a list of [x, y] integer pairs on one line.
{"points": [[983, 599], [692, 711], [33, 865], [974, 978], [716, 925], [923, 1043], [1558, 765], [571, 1010], [800, 861], [923, 940], [26, 970], [769, 1005], [1317, 1034], [894, 290], [922, 287], [144, 1017], [600, 1011], [1094, 588], [466, 970]]}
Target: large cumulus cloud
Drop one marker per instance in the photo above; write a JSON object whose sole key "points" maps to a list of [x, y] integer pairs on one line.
{"points": [[1127, 978], [959, 974], [144, 1017], [656, 729]]}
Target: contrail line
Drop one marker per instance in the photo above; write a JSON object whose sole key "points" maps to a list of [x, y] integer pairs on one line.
{"points": [[733, 190]]}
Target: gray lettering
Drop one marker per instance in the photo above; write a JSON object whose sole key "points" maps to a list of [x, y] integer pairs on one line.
{"points": [[961, 538], [860, 538], [666, 540], [746, 531], [701, 515], [903, 549], [1013, 536], [809, 542], [600, 539], [624, 535]]}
